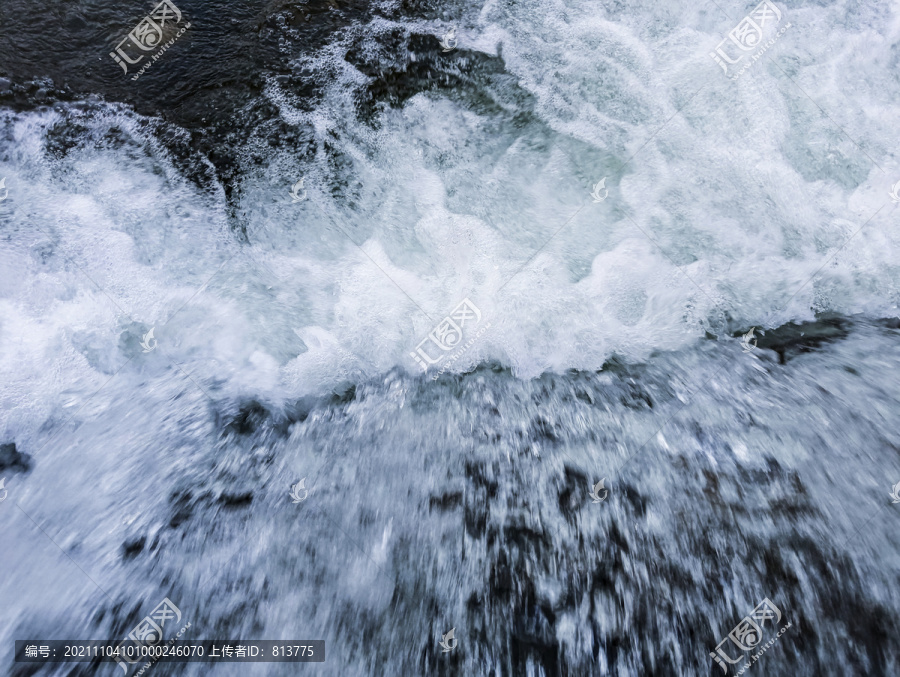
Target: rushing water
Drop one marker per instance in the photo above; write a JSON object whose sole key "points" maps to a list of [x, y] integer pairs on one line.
{"points": [[607, 344]]}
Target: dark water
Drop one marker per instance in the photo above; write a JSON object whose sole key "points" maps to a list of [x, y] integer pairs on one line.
{"points": [[213, 86]]}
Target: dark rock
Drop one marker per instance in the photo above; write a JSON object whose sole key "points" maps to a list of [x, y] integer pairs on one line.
{"points": [[133, 547], [446, 501], [249, 418], [236, 500], [573, 491], [182, 508], [791, 339], [11, 459]]}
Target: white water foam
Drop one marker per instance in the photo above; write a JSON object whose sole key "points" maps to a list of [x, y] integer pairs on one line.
{"points": [[727, 209]]}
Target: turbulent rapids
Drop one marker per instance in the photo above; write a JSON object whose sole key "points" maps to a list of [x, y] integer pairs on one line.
{"points": [[671, 298]]}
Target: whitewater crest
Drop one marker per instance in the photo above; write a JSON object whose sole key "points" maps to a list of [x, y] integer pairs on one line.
{"points": [[434, 200]]}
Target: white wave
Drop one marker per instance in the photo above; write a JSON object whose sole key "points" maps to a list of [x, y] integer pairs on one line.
{"points": [[727, 210]]}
